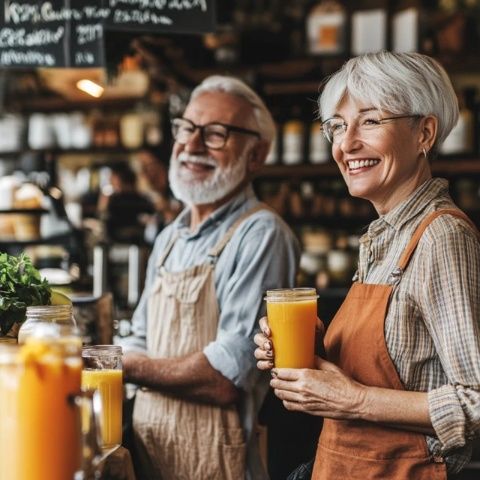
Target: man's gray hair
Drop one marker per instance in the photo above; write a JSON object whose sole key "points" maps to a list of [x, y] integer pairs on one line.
{"points": [[262, 118], [400, 83]]}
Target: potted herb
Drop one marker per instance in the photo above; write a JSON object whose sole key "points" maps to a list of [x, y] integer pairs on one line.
{"points": [[20, 287]]}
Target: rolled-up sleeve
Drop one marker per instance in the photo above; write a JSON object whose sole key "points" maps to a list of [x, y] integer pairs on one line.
{"points": [[267, 257], [451, 310]]}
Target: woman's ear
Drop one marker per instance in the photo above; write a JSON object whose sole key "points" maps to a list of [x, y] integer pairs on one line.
{"points": [[258, 155], [428, 132]]}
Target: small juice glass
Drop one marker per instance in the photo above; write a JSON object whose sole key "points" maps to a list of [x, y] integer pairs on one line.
{"points": [[292, 317], [102, 371]]}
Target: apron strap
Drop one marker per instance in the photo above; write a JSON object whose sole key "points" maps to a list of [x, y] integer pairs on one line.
{"points": [[215, 252], [166, 252], [412, 245]]}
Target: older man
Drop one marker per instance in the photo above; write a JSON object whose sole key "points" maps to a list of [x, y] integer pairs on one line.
{"points": [[194, 419]]}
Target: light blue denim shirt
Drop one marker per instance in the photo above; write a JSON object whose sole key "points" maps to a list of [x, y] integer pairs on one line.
{"points": [[262, 254]]}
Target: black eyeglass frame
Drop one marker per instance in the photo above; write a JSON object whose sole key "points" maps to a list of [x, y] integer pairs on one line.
{"points": [[229, 128], [379, 120]]}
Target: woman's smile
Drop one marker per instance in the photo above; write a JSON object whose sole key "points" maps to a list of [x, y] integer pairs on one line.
{"points": [[359, 165]]}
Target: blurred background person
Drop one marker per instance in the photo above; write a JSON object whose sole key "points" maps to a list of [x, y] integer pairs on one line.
{"points": [[122, 207], [153, 170]]}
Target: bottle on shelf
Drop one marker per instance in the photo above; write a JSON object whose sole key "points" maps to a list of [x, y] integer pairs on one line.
{"points": [[460, 141], [369, 27], [293, 138], [406, 27], [320, 149], [272, 157], [326, 25], [340, 262], [131, 126]]}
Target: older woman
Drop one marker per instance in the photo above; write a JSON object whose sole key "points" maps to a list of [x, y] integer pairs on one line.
{"points": [[400, 389]]}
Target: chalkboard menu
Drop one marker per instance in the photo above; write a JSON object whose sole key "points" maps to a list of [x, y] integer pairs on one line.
{"points": [[70, 33]]}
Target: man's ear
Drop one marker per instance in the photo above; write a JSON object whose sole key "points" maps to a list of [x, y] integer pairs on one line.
{"points": [[258, 155]]}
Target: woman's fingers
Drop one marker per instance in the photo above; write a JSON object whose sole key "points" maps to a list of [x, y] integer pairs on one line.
{"points": [[264, 352], [322, 364], [265, 364], [264, 326], [260, 340], [289, 374]]}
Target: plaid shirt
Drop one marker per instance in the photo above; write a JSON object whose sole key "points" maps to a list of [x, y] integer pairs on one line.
{"points": [[433, 320]]}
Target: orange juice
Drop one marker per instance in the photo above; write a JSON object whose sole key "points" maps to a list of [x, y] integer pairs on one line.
{"points": [[42, 438], [9, 439], [109, 383], [292, 321]]}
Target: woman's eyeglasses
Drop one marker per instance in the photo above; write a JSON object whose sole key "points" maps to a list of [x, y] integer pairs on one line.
{"points": [[335, 128]]}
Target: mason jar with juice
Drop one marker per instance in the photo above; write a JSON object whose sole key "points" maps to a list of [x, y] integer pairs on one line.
{"points": [[40, 435], [102, 371], [292, 317]]}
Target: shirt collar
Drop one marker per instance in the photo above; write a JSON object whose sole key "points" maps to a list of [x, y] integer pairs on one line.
{"points": [[410, 207], [182, 223]]}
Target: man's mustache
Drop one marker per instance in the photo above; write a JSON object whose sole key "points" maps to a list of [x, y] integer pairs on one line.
{"points": [[200, 159]]}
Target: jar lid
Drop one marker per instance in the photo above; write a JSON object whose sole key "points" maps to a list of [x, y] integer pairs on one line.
{"points": [[291, 294], [101, 350]]}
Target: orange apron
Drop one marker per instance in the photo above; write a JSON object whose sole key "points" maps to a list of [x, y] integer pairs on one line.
{"points": [[355, 341]]}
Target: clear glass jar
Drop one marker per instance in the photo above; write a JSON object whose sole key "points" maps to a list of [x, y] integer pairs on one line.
{"points": [[40, 387], [59, 314], [102, 371]]}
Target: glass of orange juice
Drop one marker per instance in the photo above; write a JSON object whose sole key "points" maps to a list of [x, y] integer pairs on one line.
{"points": [[292, 317], [102, 371], [40, 434]]}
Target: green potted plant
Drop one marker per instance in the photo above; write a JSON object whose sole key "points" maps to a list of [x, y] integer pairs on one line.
{"points": [[20, 287]]}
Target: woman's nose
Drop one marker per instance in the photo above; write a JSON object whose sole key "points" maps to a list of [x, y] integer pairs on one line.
{"points": [[350, 140]]}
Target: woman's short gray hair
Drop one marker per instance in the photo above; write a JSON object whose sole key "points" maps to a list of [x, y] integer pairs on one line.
{"points": [[399, 83], [262, 118]]}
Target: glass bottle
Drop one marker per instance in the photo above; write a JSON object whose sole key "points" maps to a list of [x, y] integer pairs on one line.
{"points": [[326, 28], [59, 314], [460, 140]]}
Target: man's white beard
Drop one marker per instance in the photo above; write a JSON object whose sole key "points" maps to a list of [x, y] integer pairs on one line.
{"points": [[193, 191]]}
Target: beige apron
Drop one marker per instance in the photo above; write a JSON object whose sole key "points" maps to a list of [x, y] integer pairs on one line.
{"points": [[178, 439]]}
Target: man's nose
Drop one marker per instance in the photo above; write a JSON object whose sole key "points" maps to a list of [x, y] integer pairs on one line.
{"points": [[195, 143]]}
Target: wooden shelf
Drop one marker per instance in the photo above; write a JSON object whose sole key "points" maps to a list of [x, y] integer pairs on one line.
{"points": [[75, 151], [61, 240], [24, 211], [56, 104]]}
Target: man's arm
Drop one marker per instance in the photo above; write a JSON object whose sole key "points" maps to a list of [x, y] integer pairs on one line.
{"points": [[226, 366], [190, 377]]}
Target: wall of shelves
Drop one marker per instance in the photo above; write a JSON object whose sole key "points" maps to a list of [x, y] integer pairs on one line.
{"points": [[267, 46]]}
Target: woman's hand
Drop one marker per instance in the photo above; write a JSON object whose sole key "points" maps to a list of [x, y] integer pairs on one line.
{"points": [[326, 392], [264, 352]]}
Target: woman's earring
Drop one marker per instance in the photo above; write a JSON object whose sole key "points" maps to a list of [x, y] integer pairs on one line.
{"points": [[424, 151]]}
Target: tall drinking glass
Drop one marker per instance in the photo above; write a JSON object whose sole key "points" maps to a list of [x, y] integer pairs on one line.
{"points": [[40, 434], [102, 371], [292, 317]]}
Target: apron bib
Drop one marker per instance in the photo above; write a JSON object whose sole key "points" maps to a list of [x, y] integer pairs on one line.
{"points": [[178, 439], [355, 341]]}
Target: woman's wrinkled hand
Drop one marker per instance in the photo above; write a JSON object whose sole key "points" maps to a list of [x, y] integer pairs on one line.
{"points": [[264, 350], [327, 391]]}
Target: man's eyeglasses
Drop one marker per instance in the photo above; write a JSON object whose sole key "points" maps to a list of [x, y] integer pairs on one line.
{"points": [[335, 128], [214, 135]]}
